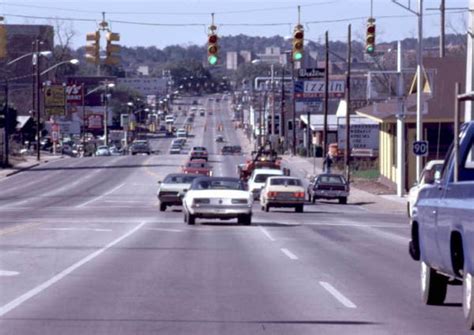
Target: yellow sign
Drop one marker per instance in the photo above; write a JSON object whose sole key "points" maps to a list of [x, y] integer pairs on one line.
{"points": [[55, 96], [54, 110]]}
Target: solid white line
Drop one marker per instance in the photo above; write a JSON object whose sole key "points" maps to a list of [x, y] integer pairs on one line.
{"points": [[266, 233], [100, 196], [165, 229], [288, 253], [77, 229], [40, 288], [338, 295]]}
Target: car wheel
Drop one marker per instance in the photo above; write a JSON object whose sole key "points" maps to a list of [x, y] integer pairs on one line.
{"points": [[433, 285], [309, 197], [313, 199], [343, 201], [190, 219], [299, 209], [245, 219], [162, 207], [467, 298], [267, 208]]}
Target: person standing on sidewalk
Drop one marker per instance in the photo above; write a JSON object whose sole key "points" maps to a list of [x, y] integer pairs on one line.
{"points": [[327, 163]]}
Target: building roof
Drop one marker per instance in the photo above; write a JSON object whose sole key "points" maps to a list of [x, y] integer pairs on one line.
{"points": [[317, 121], [439, 103]]}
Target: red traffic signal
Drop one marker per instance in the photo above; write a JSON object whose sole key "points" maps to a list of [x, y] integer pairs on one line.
{"points": [[212, 38]]}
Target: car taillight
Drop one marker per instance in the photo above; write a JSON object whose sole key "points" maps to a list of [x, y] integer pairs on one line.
{"points": [[272, 194], [299, 194]]}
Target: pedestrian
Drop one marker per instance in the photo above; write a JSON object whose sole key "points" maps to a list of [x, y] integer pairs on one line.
{"points": [[327, 163]]}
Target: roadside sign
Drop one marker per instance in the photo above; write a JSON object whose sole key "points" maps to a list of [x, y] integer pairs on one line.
{"points": [[55, 136], [124, 120], [95, 121], [54, 100], [420, 148], [305, 89], [74, 94], [311, 73]]}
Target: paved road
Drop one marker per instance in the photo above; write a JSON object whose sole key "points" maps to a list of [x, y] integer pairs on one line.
{"points": [[84, 250]]}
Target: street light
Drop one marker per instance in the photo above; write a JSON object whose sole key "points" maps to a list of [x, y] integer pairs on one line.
{"points": [[70, 61]]}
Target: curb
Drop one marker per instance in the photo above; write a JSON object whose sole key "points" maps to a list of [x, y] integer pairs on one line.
{"points": [[22, 169]]}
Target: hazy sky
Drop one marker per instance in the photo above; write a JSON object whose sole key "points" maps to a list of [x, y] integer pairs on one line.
{"points": [[163, 22]]}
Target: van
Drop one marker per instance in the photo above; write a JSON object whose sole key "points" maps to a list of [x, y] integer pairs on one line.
{"points": [[258, 179]]}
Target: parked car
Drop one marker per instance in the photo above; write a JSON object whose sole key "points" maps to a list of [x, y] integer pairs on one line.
{"points": [[102, 150], [283, 192], [171, 187], [140, 147], [114, 151], [442, 236], [199, 153], [197, 166], [258, 179], [429, 174], [217, 198], [329, 186]]}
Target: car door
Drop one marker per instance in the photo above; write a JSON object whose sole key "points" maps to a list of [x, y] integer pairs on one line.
{"points": [[456, 207]]}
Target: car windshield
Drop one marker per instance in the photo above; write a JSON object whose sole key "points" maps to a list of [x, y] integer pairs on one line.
{"points": [[218, 184], [185, 179], [285, 182], [262, 177], [330, 180]]}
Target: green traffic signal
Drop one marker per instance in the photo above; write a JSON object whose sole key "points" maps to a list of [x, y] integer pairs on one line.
{"points": [[297, 55], [370, 49], [212, 59]]}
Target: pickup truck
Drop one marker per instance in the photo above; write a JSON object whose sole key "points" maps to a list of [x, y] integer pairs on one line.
{"points": [[442, 229]]}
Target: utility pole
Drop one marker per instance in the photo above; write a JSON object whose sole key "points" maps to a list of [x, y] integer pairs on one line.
{"points": [[469, 107], [6, 152], [83, 90], [294, 106], [347, 152], [273, 104], [106, 114], [442, 41], [36, 64], [400, 125], [326, 95]]}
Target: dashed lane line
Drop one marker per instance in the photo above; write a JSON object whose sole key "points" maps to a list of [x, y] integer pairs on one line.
{"points": [[45, 285], [101, 196], [266, 233], [338, 295], [289, 254]]}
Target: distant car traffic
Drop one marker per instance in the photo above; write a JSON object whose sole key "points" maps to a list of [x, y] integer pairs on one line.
{"points": [[329, 186], [258, 179], [181, 133], [114, 151], [175, 149], [217, 198], [102, 150], [227, 150], [219, 138], [140, 147], [171, 187], [430, 173], [197, 166], [283, 192], [199, 153]]}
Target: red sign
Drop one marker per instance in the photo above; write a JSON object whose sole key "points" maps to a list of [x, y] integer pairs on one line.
{"points": [[74, 94], [95, 121], [55, 127]]}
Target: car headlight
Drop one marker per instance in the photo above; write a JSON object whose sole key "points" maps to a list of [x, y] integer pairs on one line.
{"points": [[201, 201], [239, 201]]}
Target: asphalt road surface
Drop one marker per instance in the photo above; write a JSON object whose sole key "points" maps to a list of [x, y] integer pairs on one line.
{"points": [[85, 250]]}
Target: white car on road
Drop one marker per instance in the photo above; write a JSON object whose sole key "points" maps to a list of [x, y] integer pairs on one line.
{"points": [[283, 192], [259, 177], [217, 198]]}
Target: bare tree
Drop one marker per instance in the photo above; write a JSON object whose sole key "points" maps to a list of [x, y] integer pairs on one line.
{"points": [[64, 33]]}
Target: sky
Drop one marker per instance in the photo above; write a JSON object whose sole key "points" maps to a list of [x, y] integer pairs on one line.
{"points": [[162, 22]]}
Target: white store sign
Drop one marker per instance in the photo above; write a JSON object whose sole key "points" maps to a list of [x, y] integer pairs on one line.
{"points": [[363, 136]]}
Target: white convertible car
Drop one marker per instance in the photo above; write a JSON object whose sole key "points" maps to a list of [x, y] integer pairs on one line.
{"points": [[217, 198]]}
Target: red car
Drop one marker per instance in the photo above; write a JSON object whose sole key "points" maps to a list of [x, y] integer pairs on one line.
{"points": [[197, 166], [199, 153]]}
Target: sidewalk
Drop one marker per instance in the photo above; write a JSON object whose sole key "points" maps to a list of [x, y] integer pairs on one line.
{"points": [[303, 168], [25, 163]]}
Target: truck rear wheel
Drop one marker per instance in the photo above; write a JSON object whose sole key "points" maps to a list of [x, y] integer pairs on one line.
{"points": [[433, 285], [467, 299], [162, 207]]}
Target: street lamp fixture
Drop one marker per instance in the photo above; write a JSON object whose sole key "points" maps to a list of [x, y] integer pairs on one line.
{"points": [[70, 61]]}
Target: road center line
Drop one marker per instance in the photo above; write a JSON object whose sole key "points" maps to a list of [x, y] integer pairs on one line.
{"points": [[338, 295], [266, 233], [40, 288], [289, 254], [100, 196]]}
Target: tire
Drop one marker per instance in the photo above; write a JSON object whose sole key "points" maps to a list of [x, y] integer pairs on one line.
{"points": [[313, 199], [309, 197], [162, 207], [468, 298], [343, 201], [245, 220], [299, 209], [267, 208], [190, 219], [433, 285]]}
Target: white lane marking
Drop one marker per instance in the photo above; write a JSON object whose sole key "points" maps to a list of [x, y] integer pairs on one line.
{"points": [[357, 225], [266, 233], [5, 273], [100, 196], [165, 229], [77, 229], [338, 295], [123, 201], [40, 288], [289, 254]]}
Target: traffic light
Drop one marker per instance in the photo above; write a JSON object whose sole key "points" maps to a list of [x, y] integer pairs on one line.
{"points": [[111, 49], [298, 42], [370, 36], [212, 48], [3, 40], [93, 47]]}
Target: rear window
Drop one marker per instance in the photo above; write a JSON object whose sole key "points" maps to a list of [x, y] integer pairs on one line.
{"points": [[330, 180], [286, 181], [179, 179], [261, 178]]}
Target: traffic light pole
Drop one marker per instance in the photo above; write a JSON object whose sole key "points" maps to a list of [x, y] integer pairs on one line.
{"points": [[7, 125], [37, 99], [326, 95], [293, 144], [347, 152]]}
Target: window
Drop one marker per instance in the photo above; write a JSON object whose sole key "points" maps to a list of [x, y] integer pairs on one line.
{"points": [[285, 181], [466, 172], [330, 180]]}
